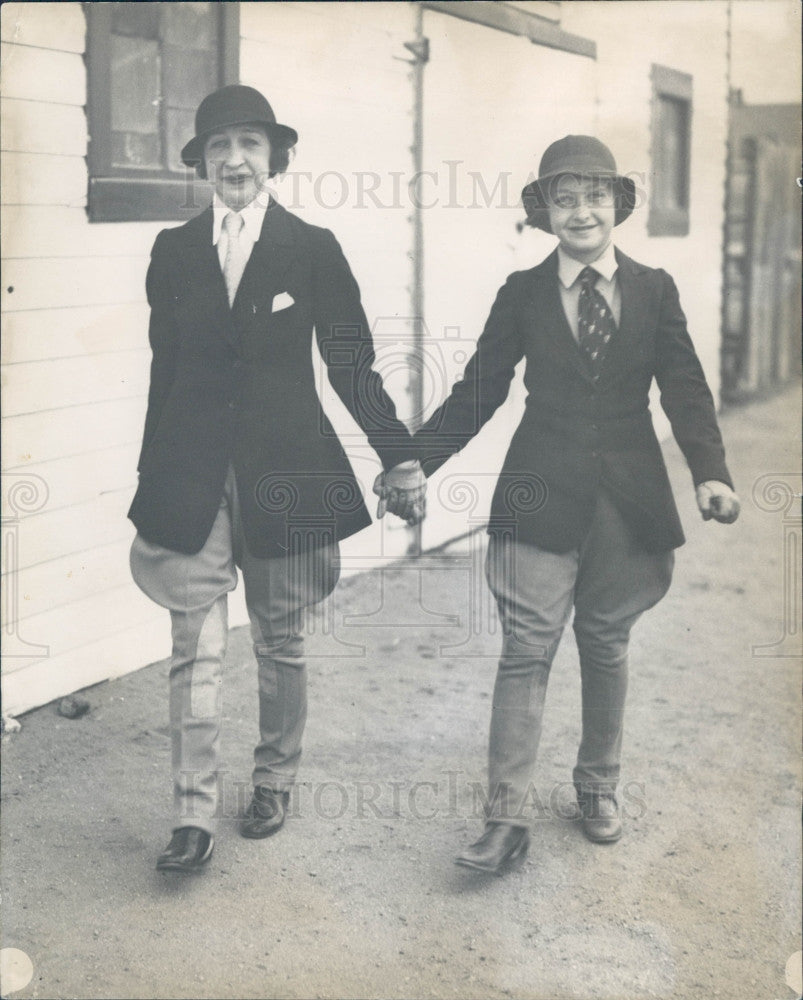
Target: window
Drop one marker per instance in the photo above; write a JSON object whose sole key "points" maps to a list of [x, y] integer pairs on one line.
{"points": [[148, 67], [671, 142]]}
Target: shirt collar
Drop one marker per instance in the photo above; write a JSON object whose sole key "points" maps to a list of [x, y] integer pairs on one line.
{"points": [[569, 268], [253, 215]]}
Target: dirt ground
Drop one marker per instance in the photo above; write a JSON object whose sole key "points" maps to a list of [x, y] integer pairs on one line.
{"points": [[358, 896]]}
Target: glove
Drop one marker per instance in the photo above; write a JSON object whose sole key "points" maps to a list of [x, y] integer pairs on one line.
{"points": [[402, 491], [717, 500]]}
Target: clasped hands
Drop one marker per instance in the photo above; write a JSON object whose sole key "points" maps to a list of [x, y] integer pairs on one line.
{"points": [[402, 490]]}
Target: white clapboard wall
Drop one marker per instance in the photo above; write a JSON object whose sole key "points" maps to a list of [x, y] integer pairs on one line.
{"points": [[75, 355], [74, 368]]}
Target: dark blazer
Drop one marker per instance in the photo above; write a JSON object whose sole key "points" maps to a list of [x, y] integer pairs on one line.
{"points": [[576, 434], [236, 385]]}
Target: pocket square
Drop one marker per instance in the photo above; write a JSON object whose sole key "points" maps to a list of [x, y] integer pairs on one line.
{"points": [[282, 301]]}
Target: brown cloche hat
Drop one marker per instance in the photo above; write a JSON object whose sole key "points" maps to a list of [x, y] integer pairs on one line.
{"points": [[235, 104], [583, 156]]}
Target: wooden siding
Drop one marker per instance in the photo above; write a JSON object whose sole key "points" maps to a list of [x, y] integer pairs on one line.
{"points": [[74, 373], [56, 26], [74, 355], [34, 74], [41, 334], [34, 127]]}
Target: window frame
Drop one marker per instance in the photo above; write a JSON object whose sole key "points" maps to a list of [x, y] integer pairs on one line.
{"points": [[516, 21], [678, 86], [122, 194]]}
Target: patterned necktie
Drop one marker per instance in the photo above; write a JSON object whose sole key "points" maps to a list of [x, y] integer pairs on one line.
{"points": [[595, 322], [235, 262]]}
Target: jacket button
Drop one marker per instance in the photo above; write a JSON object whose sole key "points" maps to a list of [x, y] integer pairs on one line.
{"points": [[232, 405]]}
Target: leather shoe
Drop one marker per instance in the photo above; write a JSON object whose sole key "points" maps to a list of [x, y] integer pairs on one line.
{"points": [[497, 848], [188, 851], [600, 817], [265, 813]]}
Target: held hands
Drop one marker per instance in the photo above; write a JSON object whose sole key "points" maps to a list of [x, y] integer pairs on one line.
{"points": [[402, 491], [717, 500]]}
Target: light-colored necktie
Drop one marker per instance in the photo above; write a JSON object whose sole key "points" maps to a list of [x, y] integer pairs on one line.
{"points": [[235, 262]]}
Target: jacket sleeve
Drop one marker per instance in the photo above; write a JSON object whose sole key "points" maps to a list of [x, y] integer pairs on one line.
{"points": [[685, 396], [347, 348], [163, 337], [483, 388]]}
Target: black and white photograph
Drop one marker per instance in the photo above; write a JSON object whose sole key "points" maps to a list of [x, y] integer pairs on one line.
{"points": [[401, 500]]}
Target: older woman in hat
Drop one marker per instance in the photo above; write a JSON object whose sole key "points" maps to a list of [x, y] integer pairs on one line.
{"points": [[583, 517], [239, 465]]}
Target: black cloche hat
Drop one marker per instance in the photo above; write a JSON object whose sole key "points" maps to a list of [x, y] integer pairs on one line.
{"points": [[582, 156], [234, 105]]}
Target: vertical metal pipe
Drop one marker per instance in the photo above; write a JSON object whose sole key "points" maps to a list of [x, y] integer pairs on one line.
{"points": [[420, 50], [729, 207], [417, 291]]}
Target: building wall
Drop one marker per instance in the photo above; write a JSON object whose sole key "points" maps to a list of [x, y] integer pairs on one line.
{"points": [[75, 357], [75, 354], [74, 368], [340, 75], [779, 122], [761, 335], [484, 131], [502, 122], [690, 37]]}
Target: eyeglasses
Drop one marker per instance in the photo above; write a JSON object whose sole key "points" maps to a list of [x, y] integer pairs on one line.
{"points": [[595, 197]]}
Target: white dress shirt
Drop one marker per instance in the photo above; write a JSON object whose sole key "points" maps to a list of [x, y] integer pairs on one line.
{"points": [[607, 284], [253, 216]]}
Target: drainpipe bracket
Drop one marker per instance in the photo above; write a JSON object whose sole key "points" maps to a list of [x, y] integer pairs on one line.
{"points": [[419, 49]]}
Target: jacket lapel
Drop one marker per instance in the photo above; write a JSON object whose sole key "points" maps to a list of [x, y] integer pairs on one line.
{"points": [[265, 273], [549, 315], [625, 348], [201, 272], [199, 257], [271, 258]]}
